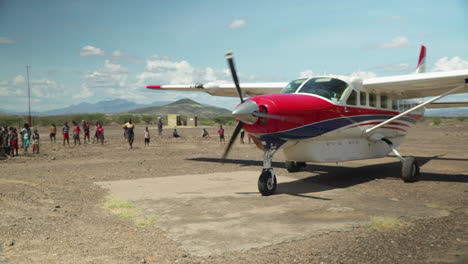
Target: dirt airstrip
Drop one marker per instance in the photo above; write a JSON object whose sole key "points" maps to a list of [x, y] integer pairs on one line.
{"points": [[179, 204]]}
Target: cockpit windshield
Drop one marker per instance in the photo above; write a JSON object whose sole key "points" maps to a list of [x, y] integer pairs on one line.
{"points": [[327, 87], [292, 86]]}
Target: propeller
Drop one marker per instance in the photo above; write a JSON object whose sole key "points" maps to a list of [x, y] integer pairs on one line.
{"points": [[230, 60], [247, 112], [232, 140]]}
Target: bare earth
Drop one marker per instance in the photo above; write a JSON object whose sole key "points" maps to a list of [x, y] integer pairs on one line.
{"points": [[202, 211]]}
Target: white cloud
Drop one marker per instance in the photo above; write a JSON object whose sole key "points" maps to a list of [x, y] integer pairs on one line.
{"points": [[363, 74], [4, 40], [446, 64], [402, 67], [19, 80], [91, 51], [117, 53], [306, 74], [237, 23], [396, 42]]}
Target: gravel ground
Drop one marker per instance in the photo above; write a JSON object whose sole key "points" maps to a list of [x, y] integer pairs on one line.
{"points": [[52, 212]]}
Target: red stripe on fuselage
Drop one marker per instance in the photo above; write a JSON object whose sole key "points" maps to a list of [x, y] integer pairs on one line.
{"points": [[303, 109], [376, 123]]}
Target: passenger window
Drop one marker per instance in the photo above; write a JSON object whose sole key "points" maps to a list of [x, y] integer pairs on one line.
{"points": [[352, 99], [395, 104], [372, 100], [363, 98], [383, 101]]}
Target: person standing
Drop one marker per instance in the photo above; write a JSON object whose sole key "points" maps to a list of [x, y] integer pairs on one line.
{"points": [[242, 135], [35, 138], [160, 127], [66, 134], [53, 132], [147, 136], [14, 141], [26, 133], [76, 132], [99, 133], [86, 132], [221, 134], [129, 128]]}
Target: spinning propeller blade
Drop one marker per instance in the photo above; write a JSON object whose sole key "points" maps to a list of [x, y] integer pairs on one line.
{"points": [[230, 60], [233, 139]]}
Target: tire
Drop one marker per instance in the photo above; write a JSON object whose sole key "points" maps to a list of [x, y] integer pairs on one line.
{"points": [[265, 186], [293, 166], [410, 170]]}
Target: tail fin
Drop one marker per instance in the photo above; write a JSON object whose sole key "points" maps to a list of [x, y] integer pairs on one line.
{"points": [[422, 60]]}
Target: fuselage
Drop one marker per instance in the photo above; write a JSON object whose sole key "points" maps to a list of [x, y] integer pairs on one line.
{"points": [[323, 119]]}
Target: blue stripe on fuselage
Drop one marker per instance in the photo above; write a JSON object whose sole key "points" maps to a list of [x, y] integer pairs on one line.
{"points": [[322, 127]]}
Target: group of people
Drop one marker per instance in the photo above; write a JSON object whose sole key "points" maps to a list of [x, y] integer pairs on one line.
{"points": [[129, 132], [98, 133], [9, 140]]}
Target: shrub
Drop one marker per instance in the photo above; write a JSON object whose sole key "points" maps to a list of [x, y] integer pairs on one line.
{"points": [[148, 119], [436, 120]]}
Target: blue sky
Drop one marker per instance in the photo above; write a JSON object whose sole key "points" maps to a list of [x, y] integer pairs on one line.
{"points": [[89, 51]]}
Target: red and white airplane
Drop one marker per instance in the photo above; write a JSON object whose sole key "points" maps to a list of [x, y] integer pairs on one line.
{"points": [[332, 118]]}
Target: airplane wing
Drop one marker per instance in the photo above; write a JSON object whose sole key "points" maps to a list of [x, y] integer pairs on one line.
{"points": [[226, 89], [417, 85]]}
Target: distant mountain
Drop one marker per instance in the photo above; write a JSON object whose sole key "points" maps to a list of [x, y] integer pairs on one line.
{"points": [[111, 106], [186, 107], [456, 111]]}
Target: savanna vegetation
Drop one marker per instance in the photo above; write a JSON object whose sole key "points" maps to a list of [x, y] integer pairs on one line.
{"points": [[106, 119]]}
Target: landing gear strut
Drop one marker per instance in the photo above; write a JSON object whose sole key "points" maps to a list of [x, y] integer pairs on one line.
{"points": [[409, 168], [267, 180]]}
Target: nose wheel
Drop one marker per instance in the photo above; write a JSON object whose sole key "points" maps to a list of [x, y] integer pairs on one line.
{"points": [[267, 182]]}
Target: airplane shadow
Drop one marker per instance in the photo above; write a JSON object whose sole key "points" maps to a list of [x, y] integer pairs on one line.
{"points": [[334, 177]]}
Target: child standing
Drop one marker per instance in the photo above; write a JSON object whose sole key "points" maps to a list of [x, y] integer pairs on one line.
{"points": [[26, 135], [147, 136], [14, 141], [221, 134], [76, 132], [35, 138], [66, 135], [53, 132]]}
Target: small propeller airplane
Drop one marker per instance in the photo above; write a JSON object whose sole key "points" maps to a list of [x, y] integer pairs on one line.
{"points": [[332, 118]]}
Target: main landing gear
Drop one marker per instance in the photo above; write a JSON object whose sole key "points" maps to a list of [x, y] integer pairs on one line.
{"points": [[409, 168], [267, 180], [293, 166]]}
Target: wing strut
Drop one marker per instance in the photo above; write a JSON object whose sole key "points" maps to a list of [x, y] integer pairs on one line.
{"points": [[370, 130]]}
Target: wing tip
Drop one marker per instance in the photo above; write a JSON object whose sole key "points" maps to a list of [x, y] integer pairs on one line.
{"points": [[154, 86]]}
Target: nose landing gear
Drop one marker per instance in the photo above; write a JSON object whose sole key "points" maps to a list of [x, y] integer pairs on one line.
{"points": [[267, 179]]}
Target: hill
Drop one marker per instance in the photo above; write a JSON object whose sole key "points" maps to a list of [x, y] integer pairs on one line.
{"points": [[456, 111], [111, 106], [184, 106]]}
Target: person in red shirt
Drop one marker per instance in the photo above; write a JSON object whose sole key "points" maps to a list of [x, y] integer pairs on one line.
{"points": [[14, 141], [221, 134], [76, 132]]}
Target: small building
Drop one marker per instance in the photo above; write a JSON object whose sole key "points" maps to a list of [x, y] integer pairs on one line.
{"points": [[173, 120], [192, 121]]}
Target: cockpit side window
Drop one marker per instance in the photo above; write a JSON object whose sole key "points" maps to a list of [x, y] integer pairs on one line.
{"points": [[292, 86], [352, 99], [330, 88]]}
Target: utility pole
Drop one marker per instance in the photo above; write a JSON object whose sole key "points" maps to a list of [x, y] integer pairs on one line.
{"points": [[29, 97]]}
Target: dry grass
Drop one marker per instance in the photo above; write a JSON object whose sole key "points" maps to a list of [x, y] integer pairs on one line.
{"points": [[383, 223], [129, 210]]}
